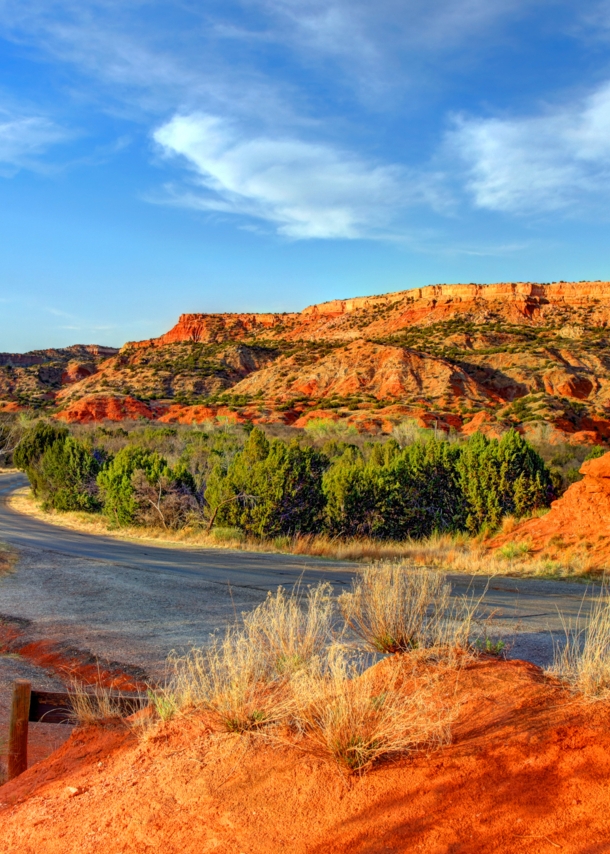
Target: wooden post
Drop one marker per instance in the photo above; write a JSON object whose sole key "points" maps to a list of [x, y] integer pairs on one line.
{"points": [[18, 728]]}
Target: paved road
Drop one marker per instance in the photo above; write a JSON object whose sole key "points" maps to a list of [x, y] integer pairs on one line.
{"points": [[135, 601]]}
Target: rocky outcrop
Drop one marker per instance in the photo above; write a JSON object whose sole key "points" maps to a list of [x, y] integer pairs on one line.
{"points": [[389, 313], [364, 368], [579, 520], [487, 356], [77, 371], [102, 408], [63, 354], [214, 328]]}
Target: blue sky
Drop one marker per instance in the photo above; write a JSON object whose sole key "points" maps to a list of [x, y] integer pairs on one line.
{"points": [[165, 157]]}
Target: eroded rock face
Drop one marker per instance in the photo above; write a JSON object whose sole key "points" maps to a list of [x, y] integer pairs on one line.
{"points": [[565, 383], [76, 371], [365, 368], [509, 354], [105, 409], [579, 519], [386, 314]]}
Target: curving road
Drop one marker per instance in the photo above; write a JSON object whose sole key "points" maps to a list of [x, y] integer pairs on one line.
{"points": [[134, 602]]}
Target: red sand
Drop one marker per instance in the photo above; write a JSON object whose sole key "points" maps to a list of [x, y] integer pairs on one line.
{"points": [[71, 665], [528, 771], [579, 520]]}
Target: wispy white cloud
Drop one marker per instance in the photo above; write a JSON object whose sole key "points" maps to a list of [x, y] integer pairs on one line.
{"points": [[24, 138], [538, 163], [164, 55], [305, 189]]}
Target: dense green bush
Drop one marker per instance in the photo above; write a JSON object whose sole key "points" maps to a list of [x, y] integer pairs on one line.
{"points": [[236, 478], [501, 477], [33, 445], [269, 488], [66, 475], [394, 494], [138, 485], [60, 468]]}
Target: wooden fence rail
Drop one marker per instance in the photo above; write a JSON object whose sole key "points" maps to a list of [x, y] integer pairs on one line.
{"points": [[51, 707]]}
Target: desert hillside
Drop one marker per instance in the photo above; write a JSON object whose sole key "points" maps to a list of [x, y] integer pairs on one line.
{"points": [[465, 357]]}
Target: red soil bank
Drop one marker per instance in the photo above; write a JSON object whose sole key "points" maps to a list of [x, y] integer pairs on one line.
{"points": [[71, 665], [580, 519], [527, 771]]}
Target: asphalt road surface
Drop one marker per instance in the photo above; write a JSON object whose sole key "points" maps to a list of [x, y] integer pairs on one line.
{"points": [[134, 602]]}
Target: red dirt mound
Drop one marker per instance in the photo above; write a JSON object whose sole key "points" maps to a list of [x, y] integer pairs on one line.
{"points": [[527, 771], [579, 520]]}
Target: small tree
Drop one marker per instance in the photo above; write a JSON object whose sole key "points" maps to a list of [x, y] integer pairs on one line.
{"points": [[116, 481], [498, 478], [281, 485], [66, 475], [139, 487], [33, 445]]}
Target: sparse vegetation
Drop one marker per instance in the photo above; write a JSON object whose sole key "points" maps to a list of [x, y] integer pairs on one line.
{"points": [[396, 608], [284, 672], [95, 704], [584, 659], [358, 717]]}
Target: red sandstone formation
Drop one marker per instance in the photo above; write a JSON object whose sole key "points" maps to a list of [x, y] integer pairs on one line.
{"points": [[364, 368], [76, 371], [388, 313], [486, 356], [579, 520], [105, 409]]}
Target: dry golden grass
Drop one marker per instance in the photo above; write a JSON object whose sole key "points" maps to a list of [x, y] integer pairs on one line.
{"points": [[292, 628], [399, 607], [233, 680], [243, 678], [451, 552], [357, 718], [283, 671], [396, 607], [95, 704], [584, 659]]}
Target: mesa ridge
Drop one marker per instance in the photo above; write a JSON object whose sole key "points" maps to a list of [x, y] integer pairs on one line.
{"points": [[463, 357]]}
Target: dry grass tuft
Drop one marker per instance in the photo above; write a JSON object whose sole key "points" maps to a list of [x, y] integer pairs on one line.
{"points": [[243, 678], [232, 679], [359, 718], [282, 671], [96, 704], [397, 607], [292, 628], [584, 659]]}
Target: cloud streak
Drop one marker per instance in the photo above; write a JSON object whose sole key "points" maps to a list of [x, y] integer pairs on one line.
{"points": [[540, 163], [24, 139], [306, 190]]}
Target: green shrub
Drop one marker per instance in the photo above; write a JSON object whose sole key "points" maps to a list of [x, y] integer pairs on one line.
{"points": [[33, 445], [66, 476], [394, 494], [270, 488], [116, 481], [501, 478]]}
